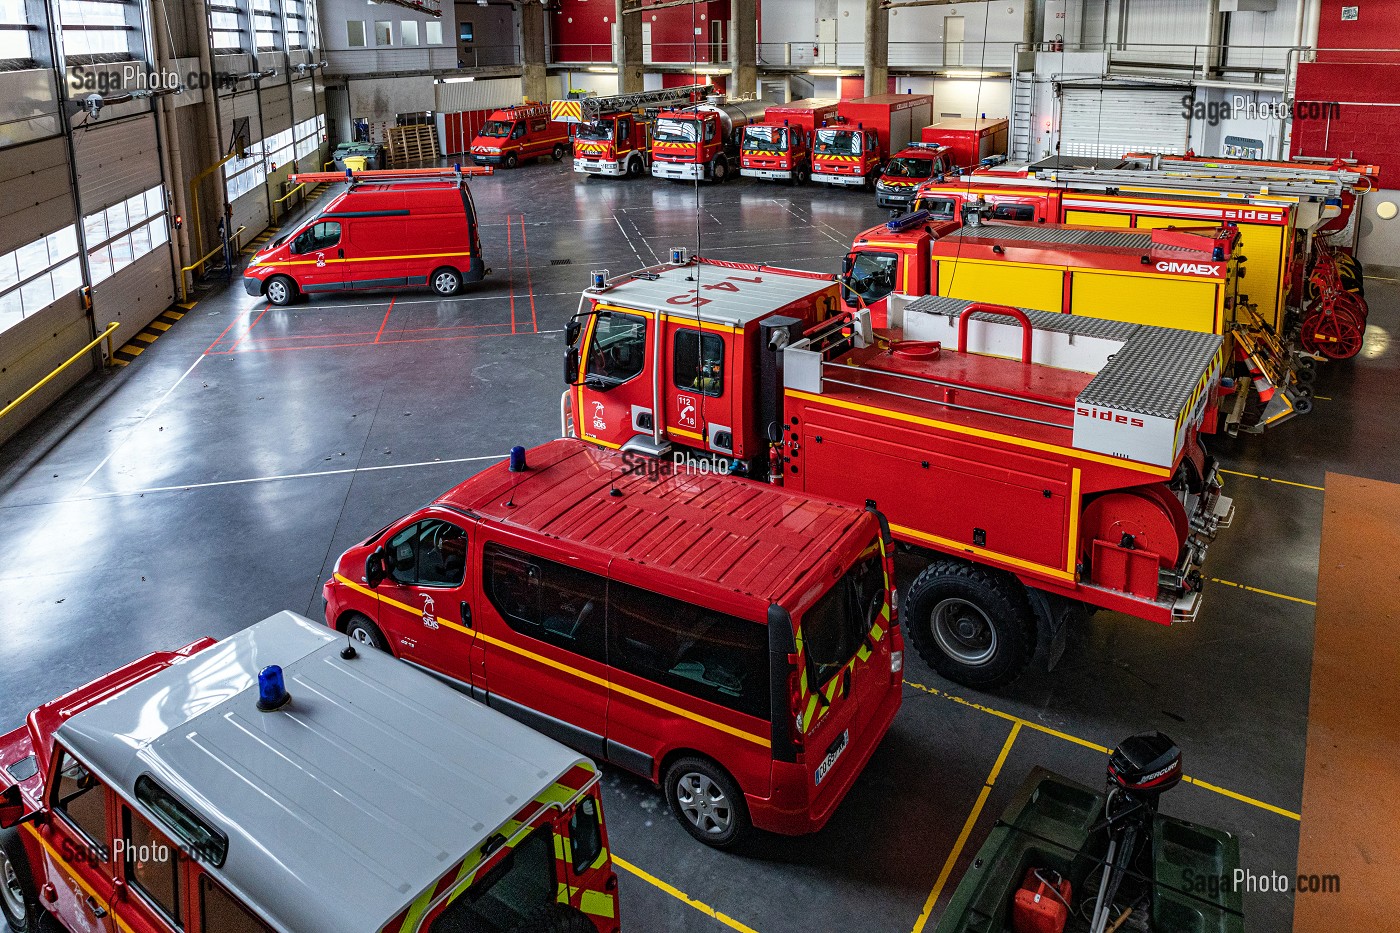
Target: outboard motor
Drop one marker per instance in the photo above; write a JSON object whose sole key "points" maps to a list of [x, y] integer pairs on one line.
{"points": [[1145, 766]]}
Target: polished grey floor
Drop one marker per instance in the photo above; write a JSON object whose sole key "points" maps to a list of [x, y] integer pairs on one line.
{"points": [[214, 481]]}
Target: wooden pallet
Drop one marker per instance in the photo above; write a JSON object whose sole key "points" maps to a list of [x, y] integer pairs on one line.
{"points": [[412, 145]]}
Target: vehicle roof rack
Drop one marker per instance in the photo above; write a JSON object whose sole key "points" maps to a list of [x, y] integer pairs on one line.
{"points": [[455, 173]]}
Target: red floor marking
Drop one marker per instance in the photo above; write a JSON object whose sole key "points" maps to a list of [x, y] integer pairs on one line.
{"points": [[225, 333], [248, 331], [530, 277], [371, 343], [386, 319], [510, 263]]}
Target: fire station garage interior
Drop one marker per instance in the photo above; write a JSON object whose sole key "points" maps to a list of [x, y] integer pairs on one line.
{"points": [[827, 465]]}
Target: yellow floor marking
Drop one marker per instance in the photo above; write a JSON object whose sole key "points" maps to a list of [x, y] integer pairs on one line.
{"points": [[146, 338], [1270, 479], [159, 325], [680, 895], [1255, 589], [968, 824], [1009, 717]]}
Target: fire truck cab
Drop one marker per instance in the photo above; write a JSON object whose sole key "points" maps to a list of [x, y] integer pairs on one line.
{"points": [[280, 781], [512, 135], [906, 170], [1039, 462], [851, 150], [780, 147], [701, 141], [612, 135]]}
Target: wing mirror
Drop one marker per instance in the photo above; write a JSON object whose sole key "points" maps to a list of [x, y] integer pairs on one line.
{"points": [[12, 809], [572, 331], [376, 567], [571, 365]]}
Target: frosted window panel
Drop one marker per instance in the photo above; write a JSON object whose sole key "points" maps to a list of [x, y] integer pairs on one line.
{"points": [[63, 244], [121, 253], [136, 208], [9, 271], [116, 219], [100, 263], [140, 242], [32, 258], [355, 33], [95, 227], [11, 309], [434, 33], [37, 294], [155, 201], [79, 13], [67, 278], [409, 32], [159, 232]]}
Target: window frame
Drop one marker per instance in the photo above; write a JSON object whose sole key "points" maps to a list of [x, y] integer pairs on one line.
{"points": [[704, 336], [544, 577], [609, 381], [177, 869], [207, 883], [59, 805]]}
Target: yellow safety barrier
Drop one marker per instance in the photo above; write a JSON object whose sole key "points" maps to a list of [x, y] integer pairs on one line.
{"points": [[105, 335], [199, 263]]}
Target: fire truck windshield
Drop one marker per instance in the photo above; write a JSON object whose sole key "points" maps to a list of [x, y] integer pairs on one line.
{"points": [[499, 128], [838, 142], [766, 138], [909, 168], [871, 276], [676, 131], [599, 131]]}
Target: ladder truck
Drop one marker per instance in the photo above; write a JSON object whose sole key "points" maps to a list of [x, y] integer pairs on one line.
{"points": [[613, 134], [1041, 464]]}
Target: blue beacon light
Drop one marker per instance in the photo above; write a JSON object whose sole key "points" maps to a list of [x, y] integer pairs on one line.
{"points": [[272, 689]]}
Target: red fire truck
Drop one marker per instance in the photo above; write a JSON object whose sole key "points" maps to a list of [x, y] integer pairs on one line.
{"points": [[973, 141], [280, 781], [612, 135], [732, 642], [852, 150], [517, 133], [779, 148], [701, 141], [1040, 462], [906, 170]]}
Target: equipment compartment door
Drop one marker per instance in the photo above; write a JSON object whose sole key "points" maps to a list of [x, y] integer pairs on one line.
{"points": [[699, 402]]}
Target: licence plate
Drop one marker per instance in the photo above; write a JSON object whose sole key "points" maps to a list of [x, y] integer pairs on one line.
{"points": [[833, 753]]}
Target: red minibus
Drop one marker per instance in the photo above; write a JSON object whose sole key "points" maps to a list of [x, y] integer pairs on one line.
{"points": [[733, 642], [387, 230]]}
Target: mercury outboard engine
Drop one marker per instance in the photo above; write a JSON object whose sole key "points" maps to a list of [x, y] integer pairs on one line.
{"points": [[1140, 770]]}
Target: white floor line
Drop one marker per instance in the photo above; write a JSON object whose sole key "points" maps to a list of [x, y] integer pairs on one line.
{"points": [[138, 424], [278, 478]]}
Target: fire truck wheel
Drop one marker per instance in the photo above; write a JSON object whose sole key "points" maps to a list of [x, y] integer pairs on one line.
{"points": [[719, 170], [281, 290], [558, 152], [707, 802], [362, 630], [512, 160], [447, 281], [19, 902], [971, 625], [802, 175], [556, 918], [635, 168]]}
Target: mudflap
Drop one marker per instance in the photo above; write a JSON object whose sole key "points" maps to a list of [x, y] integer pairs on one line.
{"points": [[476, 270], [1057, 620]]}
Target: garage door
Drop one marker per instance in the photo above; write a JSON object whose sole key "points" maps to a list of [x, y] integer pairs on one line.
{"points": [[1109, 121]]}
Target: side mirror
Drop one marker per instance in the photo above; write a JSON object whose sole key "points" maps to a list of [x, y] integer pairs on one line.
{"points": [[572, 331], [376, 567], [12, 809], [571, 365], [847, 264]]}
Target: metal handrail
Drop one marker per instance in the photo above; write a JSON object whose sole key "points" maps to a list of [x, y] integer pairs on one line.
{"points": [[105, 335], [300, 185], [199, 263]]}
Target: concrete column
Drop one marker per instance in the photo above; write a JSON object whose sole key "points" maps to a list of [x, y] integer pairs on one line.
{"points": [[532, 51], [743, 45], [877, 47], [628, 53]]}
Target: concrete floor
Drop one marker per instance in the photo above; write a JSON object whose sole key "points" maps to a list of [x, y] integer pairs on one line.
{"points": [[214, 481]]}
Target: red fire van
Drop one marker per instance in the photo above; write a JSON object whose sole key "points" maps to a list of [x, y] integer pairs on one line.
{"points": [[389, 229], [731, 641], [517, 133]]}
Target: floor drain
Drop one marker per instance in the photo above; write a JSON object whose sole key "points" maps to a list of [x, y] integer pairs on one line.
{"points": [[561, 262]]}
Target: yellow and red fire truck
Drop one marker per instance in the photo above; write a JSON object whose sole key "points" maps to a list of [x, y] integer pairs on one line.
{"points": [[1185, 278], [779, 147], [701, 141], [1041, 463], [612, 135]]}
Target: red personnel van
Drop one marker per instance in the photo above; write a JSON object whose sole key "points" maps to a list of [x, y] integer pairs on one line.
{"points": [[512, 135], [389, 229], [733, 642]]}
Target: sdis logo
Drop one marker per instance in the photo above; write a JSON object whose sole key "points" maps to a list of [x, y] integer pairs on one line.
{"points": [[1190, 268], [1102, 415]]}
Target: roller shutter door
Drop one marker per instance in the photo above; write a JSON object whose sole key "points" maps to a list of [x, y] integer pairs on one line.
{"points": [[1109, 121]]}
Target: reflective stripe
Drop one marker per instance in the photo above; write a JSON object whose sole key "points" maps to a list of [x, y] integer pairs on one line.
{"points": [[763, 741], [598, 903], [68, 870]]}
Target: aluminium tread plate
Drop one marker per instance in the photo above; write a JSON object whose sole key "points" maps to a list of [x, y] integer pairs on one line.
{"points": [[1066, 236], [1154, 373]]}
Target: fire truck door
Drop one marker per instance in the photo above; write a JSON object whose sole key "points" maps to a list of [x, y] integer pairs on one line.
{"points": [[870, 275], [426, 603], [77, 844], [615, 397], [699, 405]]}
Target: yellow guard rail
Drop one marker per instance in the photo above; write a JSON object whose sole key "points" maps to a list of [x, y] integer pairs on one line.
{"points": [[105, 335]]}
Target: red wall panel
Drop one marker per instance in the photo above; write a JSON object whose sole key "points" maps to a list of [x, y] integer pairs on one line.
{"points": [[1364, 123], [581, 30], [1377, 27]]}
